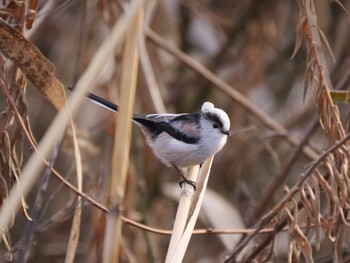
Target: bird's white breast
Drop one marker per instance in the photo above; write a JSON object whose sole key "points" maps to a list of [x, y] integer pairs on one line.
{"points": [[173, 152]]}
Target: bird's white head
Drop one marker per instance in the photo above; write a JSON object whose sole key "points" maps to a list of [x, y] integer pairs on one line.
{"points": [[215, 128], [217, 117]]}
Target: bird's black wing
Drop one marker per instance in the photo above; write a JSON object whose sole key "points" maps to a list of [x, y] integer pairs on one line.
{"points": [[171, 125]]}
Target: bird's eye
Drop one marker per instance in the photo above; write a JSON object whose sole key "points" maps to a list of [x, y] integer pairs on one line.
{"points": [[215, 126]]}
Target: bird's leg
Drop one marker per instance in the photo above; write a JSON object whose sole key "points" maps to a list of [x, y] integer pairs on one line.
{"points": [[184, 179]]}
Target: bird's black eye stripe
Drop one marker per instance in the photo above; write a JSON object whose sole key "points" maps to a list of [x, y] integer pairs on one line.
{"points": [[217, 123]]}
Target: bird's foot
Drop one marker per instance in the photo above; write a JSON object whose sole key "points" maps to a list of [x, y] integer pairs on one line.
{"points": [[190, 182]]}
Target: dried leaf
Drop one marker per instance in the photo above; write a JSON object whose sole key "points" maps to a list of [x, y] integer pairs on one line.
{"points": [[306, 203], [326, 43], [327, 226], [299, 37], [338, 246], [34, 65], [317, 218], [343, 8], [303, 243]]}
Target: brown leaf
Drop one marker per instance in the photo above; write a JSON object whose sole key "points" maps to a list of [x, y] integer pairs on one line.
{"points": [[303, 244], [318, 215], [326, 43], [343, 8], [299, 37], [33, 64]]}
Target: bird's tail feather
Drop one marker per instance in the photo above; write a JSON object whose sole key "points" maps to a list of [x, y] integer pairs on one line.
{"points": [[101, 101]]}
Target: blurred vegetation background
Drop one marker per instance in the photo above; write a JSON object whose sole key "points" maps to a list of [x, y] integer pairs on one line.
{"points": [[248, 45]]}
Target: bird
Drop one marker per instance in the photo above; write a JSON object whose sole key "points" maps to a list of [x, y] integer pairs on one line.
{"points": [[180, 140]]}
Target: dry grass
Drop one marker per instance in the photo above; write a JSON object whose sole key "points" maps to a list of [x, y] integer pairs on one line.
{"points": [[283, 184]]}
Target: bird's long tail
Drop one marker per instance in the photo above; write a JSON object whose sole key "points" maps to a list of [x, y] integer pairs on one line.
{"points": [[101, 101]]}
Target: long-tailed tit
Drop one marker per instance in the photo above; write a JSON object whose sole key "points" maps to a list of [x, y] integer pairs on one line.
{"points": [[181, 140]]}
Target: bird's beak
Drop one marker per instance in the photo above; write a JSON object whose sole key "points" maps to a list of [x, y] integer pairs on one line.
{"points": [[226, 132]]}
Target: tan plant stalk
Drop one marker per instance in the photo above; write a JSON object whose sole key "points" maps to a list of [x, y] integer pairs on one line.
{"points": [[187, 213], [182, 213], [75, 231], [146, 64], [193, 212], [120, 156]]}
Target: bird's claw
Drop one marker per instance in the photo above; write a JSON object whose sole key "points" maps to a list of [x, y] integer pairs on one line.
{"points": [[190, 182]]}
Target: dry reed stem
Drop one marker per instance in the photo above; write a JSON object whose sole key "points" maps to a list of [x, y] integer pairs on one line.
{"points": [[34, 165], [75, 230], [196, 204], [120, 156], [147, 65], [150, 78], [182, 213]]}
